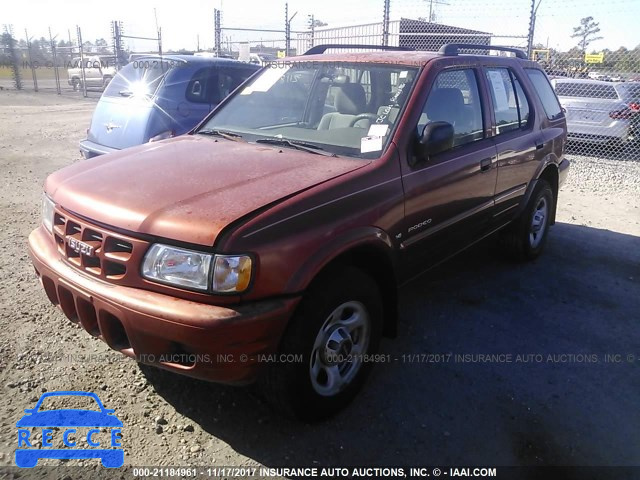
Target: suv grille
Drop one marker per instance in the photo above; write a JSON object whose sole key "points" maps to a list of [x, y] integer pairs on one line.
{"points": [[97, 251]]}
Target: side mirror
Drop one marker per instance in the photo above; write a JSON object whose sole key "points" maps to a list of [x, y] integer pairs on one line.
{"points": [[436, 137]]}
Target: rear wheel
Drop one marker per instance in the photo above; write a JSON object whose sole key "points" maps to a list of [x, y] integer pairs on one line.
{"points": [[337, 325], [526, 237]]}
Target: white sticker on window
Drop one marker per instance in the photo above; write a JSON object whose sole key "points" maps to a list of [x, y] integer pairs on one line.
{"points": [[378, 130], [404, 73], [370, 144], [267, 80], [499, 91]]}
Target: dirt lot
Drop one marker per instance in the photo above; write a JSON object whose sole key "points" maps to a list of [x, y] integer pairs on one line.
{"points": [[569, 406]]}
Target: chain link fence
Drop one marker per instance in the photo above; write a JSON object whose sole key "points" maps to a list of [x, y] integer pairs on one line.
{"points": [[74, 65], [589, 48]]}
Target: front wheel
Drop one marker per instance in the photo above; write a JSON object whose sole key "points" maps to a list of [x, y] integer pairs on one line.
{"points": [[335, 330], [526, 237]]}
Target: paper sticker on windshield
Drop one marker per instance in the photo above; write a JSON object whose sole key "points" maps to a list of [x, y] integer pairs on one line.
{"points": [[499, 91], [370, 144], [404, 73], [267, 80], [378, 130]]}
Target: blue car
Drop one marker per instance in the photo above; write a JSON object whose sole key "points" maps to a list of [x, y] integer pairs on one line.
{"points": [[68, 419], [153, 98]]}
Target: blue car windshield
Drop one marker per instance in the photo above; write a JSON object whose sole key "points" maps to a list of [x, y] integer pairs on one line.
{"points": [[342, 108]]}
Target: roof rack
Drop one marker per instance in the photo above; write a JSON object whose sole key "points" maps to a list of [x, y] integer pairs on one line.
{"points": [[452, 49], [323, 48]]}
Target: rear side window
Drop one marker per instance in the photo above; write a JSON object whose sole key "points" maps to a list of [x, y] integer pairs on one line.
{"points": [[212, 84], [510, 104], [454, 98], [586, 90], [545, 92]]}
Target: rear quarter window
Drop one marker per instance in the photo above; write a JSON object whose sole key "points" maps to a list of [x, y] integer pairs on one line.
{"points": [[586, 90], [545, 92]]}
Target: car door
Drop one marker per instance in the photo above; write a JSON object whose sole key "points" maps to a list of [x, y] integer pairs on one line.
{"points": [[519, 145], [448, 197]]}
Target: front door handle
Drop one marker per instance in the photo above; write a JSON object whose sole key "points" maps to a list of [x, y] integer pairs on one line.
{"points": [[485, 164], [539, 145]]}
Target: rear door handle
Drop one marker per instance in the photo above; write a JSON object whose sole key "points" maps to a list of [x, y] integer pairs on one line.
{"points": [[485, 164], [539, 146]]}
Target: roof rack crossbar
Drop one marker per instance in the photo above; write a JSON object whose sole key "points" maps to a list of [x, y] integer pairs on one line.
{"points": [[452, 49], [323, 48]]}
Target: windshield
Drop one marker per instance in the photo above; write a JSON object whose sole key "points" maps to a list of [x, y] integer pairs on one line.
{"points": [[340, 108], [139, 78]]}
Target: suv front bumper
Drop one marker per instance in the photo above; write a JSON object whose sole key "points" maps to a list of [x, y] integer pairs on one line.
{"points": [[221, 344]]}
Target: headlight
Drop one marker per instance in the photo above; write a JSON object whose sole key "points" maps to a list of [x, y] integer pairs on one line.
{"points": [[47, 212], [177, 266], [231, 273]]}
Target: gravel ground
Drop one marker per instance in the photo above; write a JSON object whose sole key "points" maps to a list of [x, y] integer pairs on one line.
{"points": [[580, 299]]}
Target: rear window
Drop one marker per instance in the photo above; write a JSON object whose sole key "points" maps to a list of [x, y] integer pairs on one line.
{"points": [[138, 78], [630, 92], [545, 92], [586, 90]]}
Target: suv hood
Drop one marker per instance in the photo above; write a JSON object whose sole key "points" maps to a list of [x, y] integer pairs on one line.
{"points": [[190, 187]]}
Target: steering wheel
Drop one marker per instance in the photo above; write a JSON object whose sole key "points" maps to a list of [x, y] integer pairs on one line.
{"points": [[363, 116]]}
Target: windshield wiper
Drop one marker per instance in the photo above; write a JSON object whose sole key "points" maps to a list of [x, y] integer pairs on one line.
{"points": [[221, 133], [307, 147]]}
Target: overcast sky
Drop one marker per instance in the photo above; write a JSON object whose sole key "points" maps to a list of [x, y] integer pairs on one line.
{"points": [[182, 22]]}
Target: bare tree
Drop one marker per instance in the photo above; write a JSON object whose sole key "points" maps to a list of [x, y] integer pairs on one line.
{"points": [[586, 32]]}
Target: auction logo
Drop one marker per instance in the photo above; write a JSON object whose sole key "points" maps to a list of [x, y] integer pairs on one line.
{"points": [[60, 425]]}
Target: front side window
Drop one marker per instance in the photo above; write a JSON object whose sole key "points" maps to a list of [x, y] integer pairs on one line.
{"points": [[454, 98], [510, 104], [343, 108]]}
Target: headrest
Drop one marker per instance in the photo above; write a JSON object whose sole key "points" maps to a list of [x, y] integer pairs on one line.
{"points": [[445, 104], [350, 99]]}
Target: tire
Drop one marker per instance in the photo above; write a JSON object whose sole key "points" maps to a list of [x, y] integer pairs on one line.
{"points": [[106, 80], [526, 237], [325, 322], [74, 84]]}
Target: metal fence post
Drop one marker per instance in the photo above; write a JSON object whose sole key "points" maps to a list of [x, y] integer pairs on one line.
{"points": [[33, 69], [217, 31], [385, 23], [56, 73], [84, 78]]}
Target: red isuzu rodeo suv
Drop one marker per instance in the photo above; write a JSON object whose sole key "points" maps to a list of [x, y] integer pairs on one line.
{"points": [[271, 240]]}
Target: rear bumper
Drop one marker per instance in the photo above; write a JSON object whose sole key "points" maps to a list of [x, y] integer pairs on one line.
{"points": [[90, 149], [618, 131], [221, 344]]}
